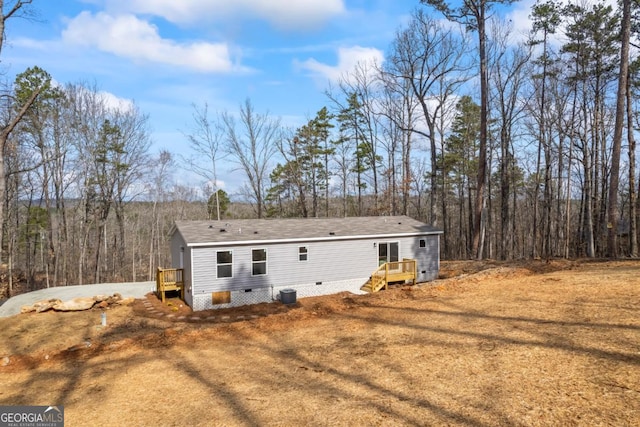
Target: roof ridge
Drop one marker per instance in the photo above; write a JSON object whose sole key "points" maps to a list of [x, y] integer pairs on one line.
{"points": [[230, 231]]}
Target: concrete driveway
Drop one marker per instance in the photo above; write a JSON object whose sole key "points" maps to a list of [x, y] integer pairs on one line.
{"points": [[64, 293]]}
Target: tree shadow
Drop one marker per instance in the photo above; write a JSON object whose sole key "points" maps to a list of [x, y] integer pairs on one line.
{"points": [[549, 339], [298, 370], [319, 372]]}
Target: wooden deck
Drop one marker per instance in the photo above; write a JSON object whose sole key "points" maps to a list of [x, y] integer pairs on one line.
{"points": [[169, 279], [397, 271]]}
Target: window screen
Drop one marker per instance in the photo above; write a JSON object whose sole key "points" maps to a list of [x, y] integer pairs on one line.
{"points": [[224, 261], [258, 262]]}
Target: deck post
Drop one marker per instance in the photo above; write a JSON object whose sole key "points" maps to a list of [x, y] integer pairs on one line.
{"points": [[171, 282], [404, 270], [160, 284], [386, 276], [415, 271]]}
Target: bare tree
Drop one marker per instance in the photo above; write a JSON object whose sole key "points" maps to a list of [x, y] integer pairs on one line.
{"points": [[12, 9], [8, 11], [252, 143], [361, 89], [343, 159], [508, 68], [157, 189], [6, 128], [131, 165], [473, 14], [112, 144], [41, 130], [429, 58], [634, 207], [612, 206], [399, 109], [205, 141]]}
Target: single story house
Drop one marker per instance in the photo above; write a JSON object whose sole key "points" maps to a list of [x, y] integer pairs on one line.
{"points": [[230, 263]]}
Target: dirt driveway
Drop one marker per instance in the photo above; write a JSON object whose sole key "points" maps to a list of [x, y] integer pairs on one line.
{"points": [[519, 345]]}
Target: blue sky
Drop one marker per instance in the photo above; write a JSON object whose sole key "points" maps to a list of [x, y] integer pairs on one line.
{"points": [[168, 54]]}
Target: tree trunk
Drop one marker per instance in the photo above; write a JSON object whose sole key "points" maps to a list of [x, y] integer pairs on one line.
{"points": [[5, 132], [433, 174], [482, 157], [612, 214], [633, 195], [406, 174], [505, 189], [588, 202]]}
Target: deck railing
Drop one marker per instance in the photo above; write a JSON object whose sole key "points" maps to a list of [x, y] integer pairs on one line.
{"points": [[395, 271], [169, 279]]}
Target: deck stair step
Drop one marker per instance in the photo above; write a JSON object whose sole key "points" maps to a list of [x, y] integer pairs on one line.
{"points": [[169, 279], [367, 287], [395, 271]]}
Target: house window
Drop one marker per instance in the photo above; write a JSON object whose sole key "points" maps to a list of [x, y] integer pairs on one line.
{"points": [[258, 262], [388, 252], [303, 253], [224, 261], [423, 243]]}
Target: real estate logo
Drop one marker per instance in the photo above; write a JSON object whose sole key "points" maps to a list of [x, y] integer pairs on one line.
{"points": [[31, 416]]}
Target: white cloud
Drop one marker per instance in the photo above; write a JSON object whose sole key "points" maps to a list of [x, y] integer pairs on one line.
{"points": [[128, 36], [116, 103], [211, 184], [284, 14], [348, 59], [519, 16], [110, 101]]}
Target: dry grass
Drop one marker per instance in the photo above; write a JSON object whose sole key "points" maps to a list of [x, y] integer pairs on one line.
{"points": [[530, 344]]}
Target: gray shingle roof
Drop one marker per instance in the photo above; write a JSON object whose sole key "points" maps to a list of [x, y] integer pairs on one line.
{"points": [[297, 229]]}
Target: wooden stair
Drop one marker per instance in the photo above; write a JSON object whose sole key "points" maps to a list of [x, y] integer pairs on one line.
{"points": [[396, 271], [169, 279], [374, 284]]}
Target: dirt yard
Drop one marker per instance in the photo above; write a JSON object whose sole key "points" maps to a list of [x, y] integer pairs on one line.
{"points": [[490, 344]]}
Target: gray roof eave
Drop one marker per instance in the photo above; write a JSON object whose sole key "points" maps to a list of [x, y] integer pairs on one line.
{"points": [[312, 239]]}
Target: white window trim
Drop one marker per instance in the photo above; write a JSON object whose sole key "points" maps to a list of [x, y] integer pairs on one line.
{"points": [[389, 242], [307, 254], [231, 264], [266, 262]]}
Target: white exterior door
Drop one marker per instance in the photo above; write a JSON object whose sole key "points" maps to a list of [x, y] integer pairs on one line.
{"points": [[388, 252]]}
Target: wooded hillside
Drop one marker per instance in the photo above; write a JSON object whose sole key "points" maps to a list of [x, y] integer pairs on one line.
{"points": [[536, 158]]}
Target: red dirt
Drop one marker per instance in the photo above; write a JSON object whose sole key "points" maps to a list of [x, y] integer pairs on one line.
{"points": [[540, 343]]}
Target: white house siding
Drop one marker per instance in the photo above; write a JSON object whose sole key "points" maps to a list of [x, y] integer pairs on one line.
{"points": [[331, 267], [176, 246], [428, 258], [179, 250], [187, 275], [327, 262]]}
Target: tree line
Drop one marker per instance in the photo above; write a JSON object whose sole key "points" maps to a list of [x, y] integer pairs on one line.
{"points": [[515, 150]]}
